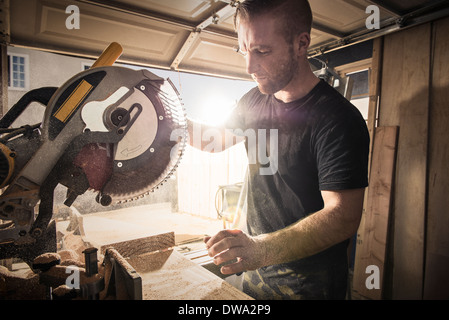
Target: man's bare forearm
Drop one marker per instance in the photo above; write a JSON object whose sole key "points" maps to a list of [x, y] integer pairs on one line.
{"points": [[336, 222], [315, 233]]}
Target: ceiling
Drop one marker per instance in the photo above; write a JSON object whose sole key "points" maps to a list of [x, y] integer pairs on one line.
{"points": [[191, 35]]}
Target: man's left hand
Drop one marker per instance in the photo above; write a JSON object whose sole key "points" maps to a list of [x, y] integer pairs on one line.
{"points": [[228, 245]]}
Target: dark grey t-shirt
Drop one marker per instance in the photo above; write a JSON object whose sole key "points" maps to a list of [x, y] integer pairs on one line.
{"points": [[296, 150]]}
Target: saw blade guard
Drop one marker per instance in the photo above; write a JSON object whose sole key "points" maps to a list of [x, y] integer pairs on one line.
{"points": [[131, 128]]}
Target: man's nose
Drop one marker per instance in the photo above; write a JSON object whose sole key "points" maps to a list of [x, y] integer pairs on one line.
{"points": [[251, 63]]}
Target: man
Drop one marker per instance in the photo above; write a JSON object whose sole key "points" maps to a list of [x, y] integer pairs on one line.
{"points": [[302, 213]]}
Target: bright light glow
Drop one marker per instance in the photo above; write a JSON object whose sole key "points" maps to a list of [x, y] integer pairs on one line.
{"points": [[215, 108]]}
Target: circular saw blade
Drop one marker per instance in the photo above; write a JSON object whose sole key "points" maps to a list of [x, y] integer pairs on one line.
{"points": [[144, 110], [151, 149]]}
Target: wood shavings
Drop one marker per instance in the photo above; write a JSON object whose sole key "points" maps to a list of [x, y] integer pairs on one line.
{"points": [[20, 285], [46, 258]]}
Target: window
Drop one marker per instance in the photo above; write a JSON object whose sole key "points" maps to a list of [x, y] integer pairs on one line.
{"points": [[18, 71], [86, 65]]}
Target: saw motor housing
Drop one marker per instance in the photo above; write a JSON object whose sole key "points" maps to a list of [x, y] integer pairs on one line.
{"points": [[117, 131]]}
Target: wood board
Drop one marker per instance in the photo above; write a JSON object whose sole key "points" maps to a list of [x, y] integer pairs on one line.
{"points": [[371, 248], [171, 276], [136, 247], [167, 274]]}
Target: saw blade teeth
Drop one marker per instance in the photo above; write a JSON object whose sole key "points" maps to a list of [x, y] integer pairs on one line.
{"points": [[147, 174]]}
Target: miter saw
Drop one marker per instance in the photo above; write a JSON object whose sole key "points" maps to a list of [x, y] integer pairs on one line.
{"points": [[117, 131]]}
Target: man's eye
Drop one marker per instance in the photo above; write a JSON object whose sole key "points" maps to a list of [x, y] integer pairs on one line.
{"points": [[263, 52]]}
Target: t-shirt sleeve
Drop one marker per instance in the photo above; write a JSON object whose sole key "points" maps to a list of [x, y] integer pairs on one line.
{"points": [[342, 148]]}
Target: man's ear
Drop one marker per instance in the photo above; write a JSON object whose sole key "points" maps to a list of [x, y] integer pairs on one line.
{"points": [[302, 43]]}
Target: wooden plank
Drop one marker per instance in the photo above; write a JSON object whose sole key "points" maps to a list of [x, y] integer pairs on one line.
{"points": [[140, 246], [375, 72], [170, 276], [371, 251], [436, 277], [405, 103], [375, 75], [3, 79]]}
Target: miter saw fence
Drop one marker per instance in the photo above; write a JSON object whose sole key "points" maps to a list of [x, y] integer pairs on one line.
{"points": [[118, 131]]}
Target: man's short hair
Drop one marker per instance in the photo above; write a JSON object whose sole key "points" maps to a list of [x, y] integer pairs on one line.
{"points": [[296, 15]]}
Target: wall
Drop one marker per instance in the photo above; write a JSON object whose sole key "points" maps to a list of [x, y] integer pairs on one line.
{"points": [[436, 277], [45, 69], [200, 175], [414, 96]]}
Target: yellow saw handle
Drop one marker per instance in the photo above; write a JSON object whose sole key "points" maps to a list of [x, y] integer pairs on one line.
{"points": [[109, 55]]}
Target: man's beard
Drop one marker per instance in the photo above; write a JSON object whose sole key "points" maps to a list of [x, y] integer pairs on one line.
{"points": [[281, 78]]}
